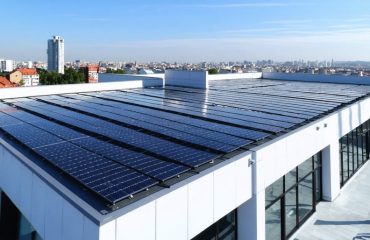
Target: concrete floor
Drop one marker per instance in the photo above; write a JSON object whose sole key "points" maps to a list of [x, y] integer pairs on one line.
{"points": [[348, 217]]}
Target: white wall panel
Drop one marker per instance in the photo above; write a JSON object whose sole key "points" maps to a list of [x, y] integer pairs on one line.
{"points": [[90, 231], [243, 178], [225, 191], [200, 205], [53, 215], [132, 224], [169, 208], [8, 177], [234, 76], [108, 231], [317, 78], [72, 227], [68, 88], [195, 79], [38, 200], [25, 195]]}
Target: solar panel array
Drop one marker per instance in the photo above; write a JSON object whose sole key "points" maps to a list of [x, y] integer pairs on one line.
{"points": [[120, 143]]}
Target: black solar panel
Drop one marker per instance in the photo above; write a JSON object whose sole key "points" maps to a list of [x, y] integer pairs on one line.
{"points": [[154, 167], [176, 152], [110, 180], [31, 136], [6, 120], [167, 117], [119, 143], [160, 126]]}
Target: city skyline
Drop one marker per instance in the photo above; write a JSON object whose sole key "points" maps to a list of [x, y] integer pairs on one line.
{"points": [[216, 31]]}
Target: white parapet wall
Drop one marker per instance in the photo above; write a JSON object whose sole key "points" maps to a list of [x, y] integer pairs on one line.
{"points": [[6, 93], [307, 77], [148, 79], [200, 79], [234, 76], [195, 79]]}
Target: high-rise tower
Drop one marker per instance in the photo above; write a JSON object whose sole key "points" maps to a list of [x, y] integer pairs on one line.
{"points": [[56, 54]]}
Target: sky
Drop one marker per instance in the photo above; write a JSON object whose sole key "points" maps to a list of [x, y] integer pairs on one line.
{"points": [[187, 31]]}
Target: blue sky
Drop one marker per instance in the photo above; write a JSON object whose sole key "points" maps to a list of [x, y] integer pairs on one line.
{"points": [[192, 30]]}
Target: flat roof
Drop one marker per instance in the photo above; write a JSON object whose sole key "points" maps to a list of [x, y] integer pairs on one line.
{"points": [[112, 148]]}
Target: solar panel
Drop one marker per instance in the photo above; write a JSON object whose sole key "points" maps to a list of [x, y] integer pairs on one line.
{"points": [[6, 120], [183, 154], [197, 113], [31, 136], [158, 126], [151, 166], [110, 180], [166, 117]]}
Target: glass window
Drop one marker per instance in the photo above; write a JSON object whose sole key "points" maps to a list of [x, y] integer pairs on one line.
{"points": [[318, 186], [224, 229], [354, 151], [290, 179], [273, 222], [287, 210], [274, 191], [350, 154], [290, 211], [305, 168], [345, 158], [305, 197]]}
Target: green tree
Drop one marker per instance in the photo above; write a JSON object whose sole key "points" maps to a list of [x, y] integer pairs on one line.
{"points": [[118, 71], [213, 71], [70, 76]]}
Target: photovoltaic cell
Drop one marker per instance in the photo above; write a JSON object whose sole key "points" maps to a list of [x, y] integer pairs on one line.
{"points": [[154, 167], [31, 136], [155, 125], [211, 127], [110, 180], [183, 154], [6, 120]]}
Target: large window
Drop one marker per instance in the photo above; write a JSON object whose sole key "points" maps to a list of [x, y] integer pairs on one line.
{"points": [[354, 151], [293, 198], [224, 229], [13, 225]]}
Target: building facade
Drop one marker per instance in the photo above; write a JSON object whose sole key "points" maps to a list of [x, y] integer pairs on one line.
{"points": [[7, 65], [202, 157], [91, 73], [30, 77], [55, 54], [15, 77]]}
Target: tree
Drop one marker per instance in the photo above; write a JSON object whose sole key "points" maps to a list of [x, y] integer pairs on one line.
{"points": [[213, 71], [70, 76], [118, 71]]}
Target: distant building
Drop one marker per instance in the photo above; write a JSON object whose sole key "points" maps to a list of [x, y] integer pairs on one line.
{"points": [[145, 71], [91, 73], [56, 55], [29, 64], [7, 65], [5, 83], [15, 77], [30, 77]]}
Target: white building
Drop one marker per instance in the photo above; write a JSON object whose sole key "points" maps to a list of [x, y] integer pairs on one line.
{"points": [[145, 71], [7, 65], [56, 54], [30, 77], [204, 157]]}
